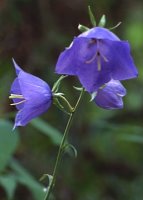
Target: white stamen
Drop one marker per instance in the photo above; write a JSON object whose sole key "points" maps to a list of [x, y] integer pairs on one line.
{"points": [[92, 59], [16, 96], [14, 104], [98, 56]]}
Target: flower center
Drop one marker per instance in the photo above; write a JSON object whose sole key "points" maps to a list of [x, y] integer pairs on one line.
{"points": [[17, 96], [97, 56]]}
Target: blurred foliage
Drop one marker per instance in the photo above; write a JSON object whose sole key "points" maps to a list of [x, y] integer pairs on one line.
{"points": [[109, 143]]}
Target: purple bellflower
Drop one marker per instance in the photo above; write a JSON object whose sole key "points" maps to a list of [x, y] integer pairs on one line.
{"points": [[31, 96], [95, 57], [110, 95]]}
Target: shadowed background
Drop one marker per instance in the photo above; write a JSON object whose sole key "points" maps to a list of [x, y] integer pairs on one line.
{"points": [[109, 165]]}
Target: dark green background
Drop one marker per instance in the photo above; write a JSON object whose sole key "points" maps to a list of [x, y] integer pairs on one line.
{"points": [[109, 165]]}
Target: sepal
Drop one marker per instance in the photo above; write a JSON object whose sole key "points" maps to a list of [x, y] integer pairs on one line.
{"points": [[118, 24], [91, 15], [57, 103], [102, 21], [82, 28], [57, 83], [93, 95], [62, 103]]}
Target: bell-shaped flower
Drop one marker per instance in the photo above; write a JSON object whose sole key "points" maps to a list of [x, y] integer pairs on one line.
{"points": [[110, 95], [31, 96], [95, 57]]}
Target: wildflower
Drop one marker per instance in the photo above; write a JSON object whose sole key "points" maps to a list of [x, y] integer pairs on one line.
{"points": [[110, 96], [31, 96], [95, 57]]}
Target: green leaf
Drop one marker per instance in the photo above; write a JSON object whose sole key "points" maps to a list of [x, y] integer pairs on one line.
{"points": [[24, 177], [8, 142], [102, 21], [92, 18], [132, 138], [8, 182], [48, 130]]}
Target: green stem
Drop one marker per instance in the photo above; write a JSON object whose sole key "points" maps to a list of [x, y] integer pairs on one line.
{"points": [[59, 156], [68, 104]]}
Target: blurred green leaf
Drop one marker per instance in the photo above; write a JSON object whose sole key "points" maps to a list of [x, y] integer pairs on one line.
{"points": [[133, 32], [48, 130], [132, 138], [8, 142], [26, 179], [9, 183]]}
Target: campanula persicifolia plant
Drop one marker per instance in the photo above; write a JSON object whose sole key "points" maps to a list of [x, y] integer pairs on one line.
{"points": [[99, 59]]}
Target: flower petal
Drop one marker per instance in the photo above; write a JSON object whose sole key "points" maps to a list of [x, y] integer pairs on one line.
{"points": [[110, 97], [119, 59], [38, 96], [91, 78], [99, 33], [70, 60], [15, 89], [17, 68], [31, 110], [33, 87]]}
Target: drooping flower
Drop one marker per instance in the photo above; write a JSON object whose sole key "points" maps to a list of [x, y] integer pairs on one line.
{"points": [[31, 96], [110, 96], [95, 57]]}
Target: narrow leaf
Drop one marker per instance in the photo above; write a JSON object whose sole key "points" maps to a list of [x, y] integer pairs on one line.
{"points": [[48, 130], [25, 178], [8, 142], [9, 183]]}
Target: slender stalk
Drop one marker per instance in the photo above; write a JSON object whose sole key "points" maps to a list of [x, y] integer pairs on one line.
{"points": [[66, 101], [60, 151]]}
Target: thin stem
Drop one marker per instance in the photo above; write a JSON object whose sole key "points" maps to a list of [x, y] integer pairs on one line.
{"points": [[60, 151]]}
